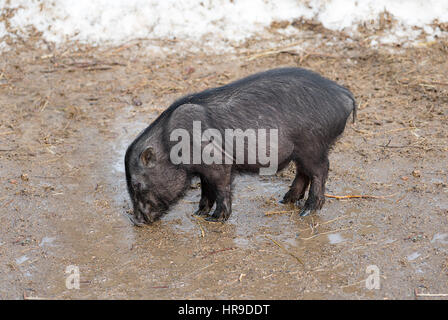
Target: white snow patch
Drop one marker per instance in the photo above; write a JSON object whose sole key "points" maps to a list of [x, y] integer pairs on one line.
{"points": [[219, 21]]}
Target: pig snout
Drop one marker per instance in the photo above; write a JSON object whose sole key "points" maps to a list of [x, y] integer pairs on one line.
{"points": [[141, 214], [137, 220]]}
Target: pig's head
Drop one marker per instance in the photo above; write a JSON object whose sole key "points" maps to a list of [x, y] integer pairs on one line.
{"points": [[154, 183]]}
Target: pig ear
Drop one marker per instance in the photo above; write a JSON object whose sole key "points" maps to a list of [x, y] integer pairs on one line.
{"points": [[148, 157]]}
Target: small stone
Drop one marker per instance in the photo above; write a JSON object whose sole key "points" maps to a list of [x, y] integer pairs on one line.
{"points": [[136, 102]]}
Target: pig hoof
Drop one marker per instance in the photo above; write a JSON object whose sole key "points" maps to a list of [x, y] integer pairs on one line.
{"points": [[287, 201], [300, 203], [201, 212], [213, 219], [218, 217], [304, 212], [288, 198]]}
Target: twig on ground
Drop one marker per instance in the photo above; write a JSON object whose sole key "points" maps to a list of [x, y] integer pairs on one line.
{"points": [[286, 250], [268, 213], [274, 51], [323, 233], [412, 145], [200, 226], [217, 251], [368, 133], [355, 196]]}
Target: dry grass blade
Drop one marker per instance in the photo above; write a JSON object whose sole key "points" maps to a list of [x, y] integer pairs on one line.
{"points": [[333, 220], [368, 133], [324, 233], [274, 51], [268, 213], [218, 251], [286, 250], [200, 226]]}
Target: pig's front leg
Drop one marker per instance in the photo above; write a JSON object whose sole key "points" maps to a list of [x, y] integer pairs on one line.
{"points": [[208, 198], [221, 180]]}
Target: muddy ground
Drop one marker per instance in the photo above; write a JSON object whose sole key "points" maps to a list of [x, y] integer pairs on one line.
{"points": [[67, 116]]}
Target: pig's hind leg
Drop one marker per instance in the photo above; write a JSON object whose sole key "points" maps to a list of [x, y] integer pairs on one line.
{"points": [[317, 172], [208, 198], [298, 187]]}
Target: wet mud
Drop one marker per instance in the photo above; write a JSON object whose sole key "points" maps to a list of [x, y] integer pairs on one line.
{"points": [[68, 116]]}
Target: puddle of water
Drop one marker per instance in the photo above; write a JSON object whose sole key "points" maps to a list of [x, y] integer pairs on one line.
{"points": [[21, 260], [291, 241], [241, 242], [47, 241], [248, 213], [247, 208], [129, 131], [440, 237], [335, 238], [413, 256], [246, 218]]}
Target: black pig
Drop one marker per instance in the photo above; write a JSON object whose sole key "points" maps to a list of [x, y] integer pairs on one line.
{"points": [[308, 111]]}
